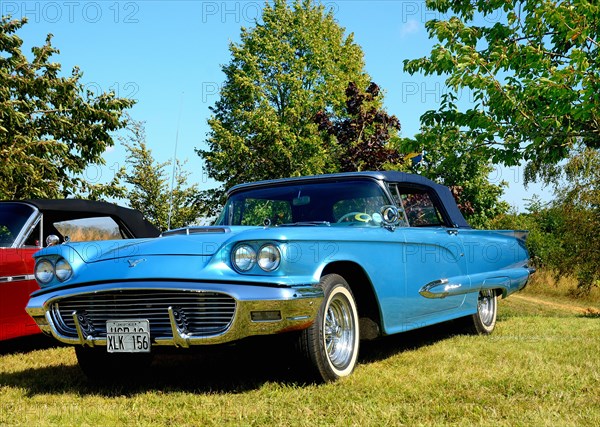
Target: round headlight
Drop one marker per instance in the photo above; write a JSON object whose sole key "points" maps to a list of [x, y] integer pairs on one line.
{"points": [[269, 257], [44, 271], [63, 270], [244, 257]]}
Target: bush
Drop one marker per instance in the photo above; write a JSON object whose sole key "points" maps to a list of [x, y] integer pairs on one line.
{"points": [[563, 238]]}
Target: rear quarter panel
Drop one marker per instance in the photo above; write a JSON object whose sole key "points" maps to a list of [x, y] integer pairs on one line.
{"points": [[496, 256]]}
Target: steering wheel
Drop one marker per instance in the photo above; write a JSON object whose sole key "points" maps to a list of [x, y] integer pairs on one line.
{"points": [[356, 217]]}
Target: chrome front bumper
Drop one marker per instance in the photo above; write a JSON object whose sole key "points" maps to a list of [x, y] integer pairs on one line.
{"points": [[287, 308]]}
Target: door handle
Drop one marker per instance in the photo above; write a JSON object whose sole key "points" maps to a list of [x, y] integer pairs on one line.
{"points": [[452, 232]]}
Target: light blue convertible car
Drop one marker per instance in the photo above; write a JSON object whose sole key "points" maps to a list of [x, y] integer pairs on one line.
{"points": [[332, 259]]}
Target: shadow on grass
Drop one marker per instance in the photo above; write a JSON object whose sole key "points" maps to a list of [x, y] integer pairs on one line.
{"points": [[27, 344], [224, 369], [383, 348], [591, 313]]}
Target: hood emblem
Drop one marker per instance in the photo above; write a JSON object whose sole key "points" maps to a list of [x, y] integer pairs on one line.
{"points": [[134, 262]]}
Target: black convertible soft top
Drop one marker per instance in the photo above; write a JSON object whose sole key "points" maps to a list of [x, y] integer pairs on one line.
{"points": [[65, 209], [441, 192]]}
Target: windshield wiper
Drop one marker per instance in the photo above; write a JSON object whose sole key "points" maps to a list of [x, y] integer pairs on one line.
{"points": [[305, 223]]}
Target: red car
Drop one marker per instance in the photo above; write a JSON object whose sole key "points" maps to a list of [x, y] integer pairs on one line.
{"points": [[27, 226]]}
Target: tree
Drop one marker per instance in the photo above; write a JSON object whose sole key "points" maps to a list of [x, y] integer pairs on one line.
{"points": [[367, 136], [149, 185], [563, 234], [578, 198], [368, 140], [534, 76], [295, 63], [50, 129], [448, 160]]}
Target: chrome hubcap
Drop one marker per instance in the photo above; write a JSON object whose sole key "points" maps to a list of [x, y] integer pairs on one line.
{"points": [[486, 307], [340, 332]]}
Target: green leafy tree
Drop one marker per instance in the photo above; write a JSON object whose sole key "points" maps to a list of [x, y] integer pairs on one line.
{"points": [[448, 160], [534, 76], [50, 128], [296, 62], [579, 200], [563, 234], [544, 223], [148, 185]]}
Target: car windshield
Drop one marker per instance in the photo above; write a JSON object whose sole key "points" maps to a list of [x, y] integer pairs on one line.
{"points": [[347, 202], [13, 217]]}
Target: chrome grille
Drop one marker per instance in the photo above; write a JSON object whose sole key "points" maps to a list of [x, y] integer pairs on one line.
{"points": [[197, 313]]}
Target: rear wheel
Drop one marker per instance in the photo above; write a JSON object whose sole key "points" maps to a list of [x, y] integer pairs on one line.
{"points": [[484, 321], [99, 365], [331, 342]]}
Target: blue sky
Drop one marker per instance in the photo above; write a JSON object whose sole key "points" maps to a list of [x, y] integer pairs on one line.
{"points": [[168, 55]]}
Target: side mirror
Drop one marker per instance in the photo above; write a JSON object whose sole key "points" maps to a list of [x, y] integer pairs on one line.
{"points": [[390, 216], [52, 240]]}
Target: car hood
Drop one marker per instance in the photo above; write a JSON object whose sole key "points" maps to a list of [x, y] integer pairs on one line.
{"points": [[196, 244], [208, 242]]}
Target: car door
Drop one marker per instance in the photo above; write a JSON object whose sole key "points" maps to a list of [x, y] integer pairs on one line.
{"points": [[19, 240], [432, 256], [16, 284], [431, 253]]}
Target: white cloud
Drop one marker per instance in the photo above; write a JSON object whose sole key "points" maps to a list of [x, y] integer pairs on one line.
{"points": [[411, 26]]}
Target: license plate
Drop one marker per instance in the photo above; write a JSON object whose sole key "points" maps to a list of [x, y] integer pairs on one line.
{"points": [[128, 336]]}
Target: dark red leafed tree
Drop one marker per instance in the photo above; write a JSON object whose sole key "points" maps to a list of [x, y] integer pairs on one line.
{"points": [[366, 139]]}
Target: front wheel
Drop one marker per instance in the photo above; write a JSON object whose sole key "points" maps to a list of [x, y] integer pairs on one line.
{"points": [[331, 342], [484, 321]]}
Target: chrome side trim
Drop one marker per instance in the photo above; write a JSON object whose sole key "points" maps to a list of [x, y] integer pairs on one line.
{"points": [[505, 282], [441, 289], [297, 318], [20, 278]]}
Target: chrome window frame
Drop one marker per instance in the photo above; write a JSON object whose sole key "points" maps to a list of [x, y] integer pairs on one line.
{"points": [[34, 219]]}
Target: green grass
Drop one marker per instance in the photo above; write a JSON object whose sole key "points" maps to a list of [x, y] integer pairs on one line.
{"points": [[540, 367]]}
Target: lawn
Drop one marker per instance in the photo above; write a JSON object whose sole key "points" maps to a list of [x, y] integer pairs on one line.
{"points": [[540, 367]]}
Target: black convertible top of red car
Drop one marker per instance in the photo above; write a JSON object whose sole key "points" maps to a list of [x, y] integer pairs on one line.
{"points": [[65, 209]]}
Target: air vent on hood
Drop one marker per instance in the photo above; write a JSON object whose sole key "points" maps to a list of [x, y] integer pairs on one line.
{"points": [[197, 230]]}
